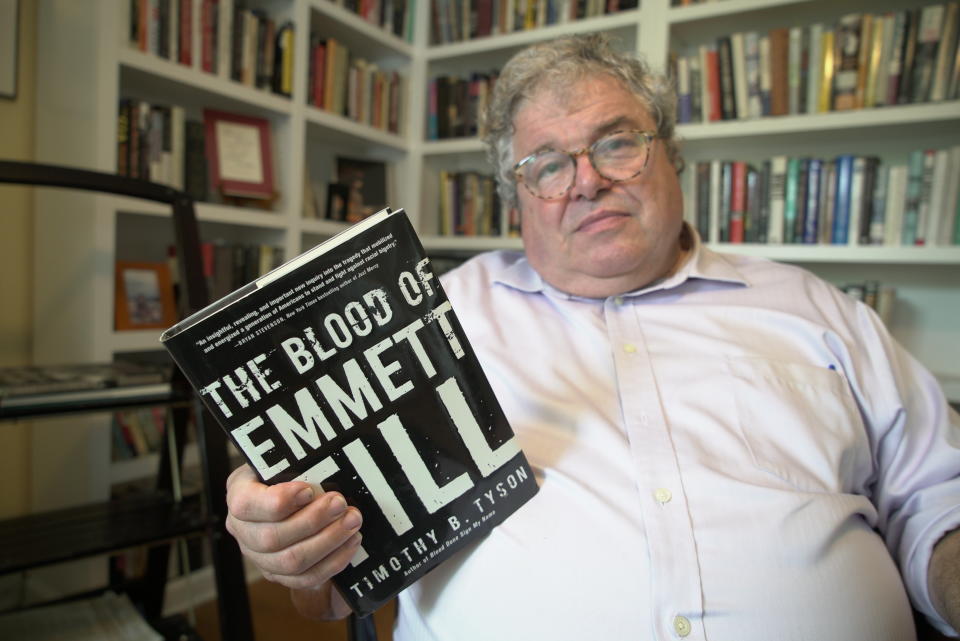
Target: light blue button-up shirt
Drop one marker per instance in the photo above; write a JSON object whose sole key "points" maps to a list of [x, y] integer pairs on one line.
{"points": [[738, 452]]}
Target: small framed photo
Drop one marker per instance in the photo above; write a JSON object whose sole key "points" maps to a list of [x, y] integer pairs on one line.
{"points": [[144, 296], [337, 198], [9, 44], [239, 155]]}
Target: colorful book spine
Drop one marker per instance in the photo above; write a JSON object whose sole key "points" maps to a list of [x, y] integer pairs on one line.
{"points": [[841, 209]]}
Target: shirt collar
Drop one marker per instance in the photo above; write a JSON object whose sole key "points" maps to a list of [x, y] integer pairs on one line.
{"points": [[702, 263]]}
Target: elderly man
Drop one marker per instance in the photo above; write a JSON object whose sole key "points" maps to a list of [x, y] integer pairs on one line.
{"points": [[727, 448]]}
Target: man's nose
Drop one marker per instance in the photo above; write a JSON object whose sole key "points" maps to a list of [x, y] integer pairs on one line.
{"points": [[587, 183]]}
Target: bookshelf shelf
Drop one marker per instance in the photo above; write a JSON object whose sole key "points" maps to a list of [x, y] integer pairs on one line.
{"points": [[469, 243], [336, 128], [140, 340], [322, 227], [144, 466], [944, 256], [73, 533], [453, 146], [900, 116], [208, 212], [175, 83], [706, 11]]}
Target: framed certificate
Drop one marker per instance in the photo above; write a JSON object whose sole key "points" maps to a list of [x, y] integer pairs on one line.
{"points": [[238, 152]]}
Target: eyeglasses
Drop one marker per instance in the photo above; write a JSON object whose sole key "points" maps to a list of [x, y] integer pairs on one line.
{"points": [[617, 157]]}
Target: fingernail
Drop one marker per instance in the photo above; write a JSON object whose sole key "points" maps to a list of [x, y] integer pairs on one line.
{"points": [[352, 520], [337, 505], [304, 496]]}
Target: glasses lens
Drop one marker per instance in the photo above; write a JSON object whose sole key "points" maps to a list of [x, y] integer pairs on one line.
{"points": [[621, 155], [549, 174]]}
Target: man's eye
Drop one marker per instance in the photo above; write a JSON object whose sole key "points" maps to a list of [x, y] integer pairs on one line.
{"points": [[624, 143], [548, 168]]}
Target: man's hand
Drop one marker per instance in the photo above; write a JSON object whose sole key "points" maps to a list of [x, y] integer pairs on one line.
{"points": [[944, 578], [295, 538]]}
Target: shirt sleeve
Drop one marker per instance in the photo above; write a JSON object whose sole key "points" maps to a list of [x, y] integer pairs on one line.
{"points": [[915, 437]]}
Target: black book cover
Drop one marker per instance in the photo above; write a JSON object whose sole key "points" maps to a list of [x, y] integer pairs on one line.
{"points": [[347, 368], [728, 103]]}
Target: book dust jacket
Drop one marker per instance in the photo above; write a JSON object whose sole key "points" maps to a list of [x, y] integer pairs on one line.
{"points": [[347, 368]]}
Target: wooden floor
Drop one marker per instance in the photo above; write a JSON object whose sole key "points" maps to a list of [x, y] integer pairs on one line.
{"points": [[275, 619]]}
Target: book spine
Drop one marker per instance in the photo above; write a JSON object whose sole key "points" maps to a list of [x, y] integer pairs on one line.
{"points": [[716, 180], [703, 200], [779, 69], [738, 201], [896, 197], [794, 55], [856, 200], [841, 208], [812, 218], [828, 185], [847, 61], [728, 101], [863, 60], [875, 53], [895, 63], [867, 200], [739, 65], [914, 191], [778, 187], [905, 86], [765, 80], [815, 66], [712, 72], [946, 52], [925, 60], [827, 62], [790, 205], [878, 215]]}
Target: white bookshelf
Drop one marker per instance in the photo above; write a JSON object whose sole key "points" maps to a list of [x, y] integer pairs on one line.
{"points": [[85, 65]]}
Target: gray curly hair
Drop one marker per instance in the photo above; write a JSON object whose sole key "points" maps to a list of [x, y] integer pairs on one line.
{"points": [[557, 63]]}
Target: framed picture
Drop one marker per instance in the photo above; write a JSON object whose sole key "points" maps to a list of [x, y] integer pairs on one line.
{"points": [[144, 296], [367, 184], [239, 156], [9, 43], [337, 197]]}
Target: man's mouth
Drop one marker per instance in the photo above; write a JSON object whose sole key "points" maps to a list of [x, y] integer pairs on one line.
{"points": [[600, 220]]}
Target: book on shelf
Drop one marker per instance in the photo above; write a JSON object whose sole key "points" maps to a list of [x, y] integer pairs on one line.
{"points": [[469, 205], [353, 87], [393, 16], [880, 298], [861, 60], [348, 369], [846, 200], [242, 44], [455, 21]]}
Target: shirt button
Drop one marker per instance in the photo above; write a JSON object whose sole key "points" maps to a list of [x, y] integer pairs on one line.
{"points": [[618, 300], [681, 625], [663, 495], [629, 348]]}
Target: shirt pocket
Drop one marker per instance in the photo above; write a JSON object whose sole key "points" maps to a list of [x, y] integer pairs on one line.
{"points": [[800, 423]]}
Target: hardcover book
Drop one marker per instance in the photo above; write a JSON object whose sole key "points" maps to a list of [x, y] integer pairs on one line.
{"points": [[347, 368]]}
